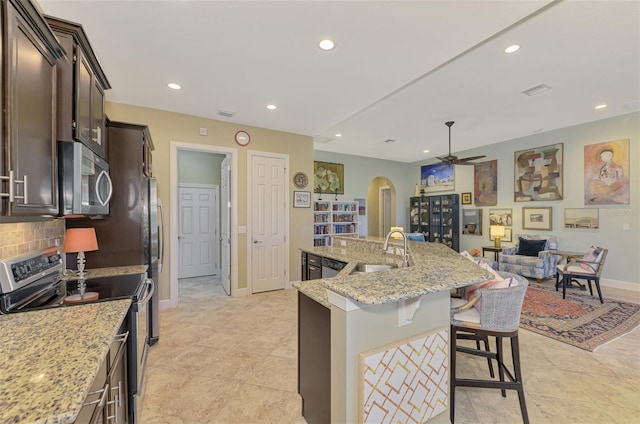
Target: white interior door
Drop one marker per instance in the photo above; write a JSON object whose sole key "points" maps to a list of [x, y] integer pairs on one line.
{"points": [[199, 234], [225, 224], [268, 211]]}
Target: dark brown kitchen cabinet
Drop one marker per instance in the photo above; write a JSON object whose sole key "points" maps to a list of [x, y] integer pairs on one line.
{"points": [[314, 360], [311, 267], [28, 155], [81, 86]]}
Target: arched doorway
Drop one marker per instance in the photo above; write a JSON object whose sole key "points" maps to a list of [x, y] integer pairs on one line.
{"points": [[381, 201]]}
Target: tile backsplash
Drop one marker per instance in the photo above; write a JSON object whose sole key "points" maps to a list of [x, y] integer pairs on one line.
{"points": [[23, 237]]}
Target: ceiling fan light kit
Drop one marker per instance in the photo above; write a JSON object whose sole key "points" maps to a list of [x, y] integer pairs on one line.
{"points": [[454, 160]]}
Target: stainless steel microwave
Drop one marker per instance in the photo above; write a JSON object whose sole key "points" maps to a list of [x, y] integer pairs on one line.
{"points": [[83, 177]]}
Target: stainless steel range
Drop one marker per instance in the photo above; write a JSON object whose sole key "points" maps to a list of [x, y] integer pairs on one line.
{"points": [[31, 282]]}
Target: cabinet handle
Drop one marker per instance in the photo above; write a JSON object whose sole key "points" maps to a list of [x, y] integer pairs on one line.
{"points": [[9, 193], [25, 188], [121, 337], [103, 397], [117, 403], [98, 138]]}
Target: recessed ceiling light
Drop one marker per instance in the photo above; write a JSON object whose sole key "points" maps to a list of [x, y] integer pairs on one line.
{"points": [[174, 86], [326, 44], [425, 151], [272, 107], [512, 48], [389, 140], [338, 135], [602, 106]]}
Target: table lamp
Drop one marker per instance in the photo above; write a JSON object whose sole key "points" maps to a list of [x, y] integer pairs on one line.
{"points": [[81, 240], [497, 232]]}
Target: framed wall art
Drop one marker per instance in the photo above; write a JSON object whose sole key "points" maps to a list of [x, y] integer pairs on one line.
{"points": [[581, 218], [606, 173], [466, 198], [537, 218], [301, 199], [328, 177], [485, 183], [538, 173], [437, 177], [472, 222], [502, 217]]}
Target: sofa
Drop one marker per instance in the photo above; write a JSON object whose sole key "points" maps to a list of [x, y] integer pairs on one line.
{"points": [[531, 257]]}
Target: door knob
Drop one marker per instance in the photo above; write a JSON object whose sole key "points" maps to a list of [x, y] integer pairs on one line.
{"points": [[257, 242]]}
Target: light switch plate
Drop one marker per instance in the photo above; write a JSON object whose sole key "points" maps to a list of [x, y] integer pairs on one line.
{"points": [[242, 229]]}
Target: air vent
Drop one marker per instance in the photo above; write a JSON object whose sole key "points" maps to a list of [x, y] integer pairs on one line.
{"points": [[536, 90], [323, 140], [226, 113]]}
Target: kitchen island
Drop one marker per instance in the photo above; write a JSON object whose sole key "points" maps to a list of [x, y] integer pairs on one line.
{"points": [[51, 357], [388, 330]]}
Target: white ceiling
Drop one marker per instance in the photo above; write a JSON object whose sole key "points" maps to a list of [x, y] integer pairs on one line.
{"points": [[399, 71]]}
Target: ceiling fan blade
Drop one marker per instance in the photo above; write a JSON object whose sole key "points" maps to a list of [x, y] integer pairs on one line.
{"points": [[472, 158]]}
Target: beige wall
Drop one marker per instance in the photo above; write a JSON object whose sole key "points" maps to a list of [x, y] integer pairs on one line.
{"points": [[168, 126]]}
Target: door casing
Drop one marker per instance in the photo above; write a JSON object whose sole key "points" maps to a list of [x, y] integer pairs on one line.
{"points": [[174, 147]]}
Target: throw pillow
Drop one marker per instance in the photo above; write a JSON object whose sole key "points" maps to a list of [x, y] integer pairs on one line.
{"points": [[591, 259], [527, 247], [470, 291]]}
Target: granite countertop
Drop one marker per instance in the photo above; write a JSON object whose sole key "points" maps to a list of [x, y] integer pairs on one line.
{"points": [[433, 267], [50, 358], [109, 272]]}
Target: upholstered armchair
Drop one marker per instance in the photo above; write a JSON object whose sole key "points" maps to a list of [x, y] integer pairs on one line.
{"points": [[531, 257]]}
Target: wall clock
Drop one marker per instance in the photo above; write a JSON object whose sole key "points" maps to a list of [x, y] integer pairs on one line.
{"points": [[242, 138], [300, 180]]}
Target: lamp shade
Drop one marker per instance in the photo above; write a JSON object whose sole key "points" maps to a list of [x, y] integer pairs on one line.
{"points": [[80, 240], [497, 231]]}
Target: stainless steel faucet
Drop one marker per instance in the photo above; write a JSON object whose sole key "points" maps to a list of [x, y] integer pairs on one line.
{"points": [[405, 262]]}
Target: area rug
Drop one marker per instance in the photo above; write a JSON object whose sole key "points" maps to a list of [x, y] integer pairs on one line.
{"points": [[580, 319]]}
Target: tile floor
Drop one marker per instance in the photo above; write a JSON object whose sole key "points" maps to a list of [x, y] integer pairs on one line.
{"points": [[233, 360]]}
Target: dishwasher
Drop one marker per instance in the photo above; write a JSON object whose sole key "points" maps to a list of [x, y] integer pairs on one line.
{"points": [[331, 267]]}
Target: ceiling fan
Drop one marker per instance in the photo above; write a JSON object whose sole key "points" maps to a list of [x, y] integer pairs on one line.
{"points": [[453, 160]]}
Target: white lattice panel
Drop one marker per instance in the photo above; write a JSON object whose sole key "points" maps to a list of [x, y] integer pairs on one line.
{"points": [[406, 383]]}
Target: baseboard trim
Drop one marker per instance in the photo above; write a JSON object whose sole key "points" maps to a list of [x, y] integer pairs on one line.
{"points": [[624, 285], [242, 292], [165, 304]]}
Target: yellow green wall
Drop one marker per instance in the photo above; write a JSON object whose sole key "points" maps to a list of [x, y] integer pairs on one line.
{"points": [[168, 126]]}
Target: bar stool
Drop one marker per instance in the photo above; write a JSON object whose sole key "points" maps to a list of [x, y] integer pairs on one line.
{"points": [[499, 317]]}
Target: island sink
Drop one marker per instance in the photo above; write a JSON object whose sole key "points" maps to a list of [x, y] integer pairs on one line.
{"points": [[362, 268]]}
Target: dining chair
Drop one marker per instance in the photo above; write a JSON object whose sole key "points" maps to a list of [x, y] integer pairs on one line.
{"points": [[498, 317], [587, 268]]}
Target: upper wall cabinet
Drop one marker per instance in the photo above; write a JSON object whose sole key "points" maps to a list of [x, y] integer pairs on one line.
{"points": [[28, 158], [81, 86]]}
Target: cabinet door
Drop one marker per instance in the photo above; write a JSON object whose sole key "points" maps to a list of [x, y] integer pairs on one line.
{"points": [[31, 85], [117, 406], [83, 100], [98, 134]]}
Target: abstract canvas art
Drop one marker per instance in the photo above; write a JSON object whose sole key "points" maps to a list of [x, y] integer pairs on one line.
{"points": [[606, 173], [437, 177], [538, 173], [485, 183]]}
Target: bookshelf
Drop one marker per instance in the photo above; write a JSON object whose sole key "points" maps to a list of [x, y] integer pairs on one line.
{"points": [[333, 218]]}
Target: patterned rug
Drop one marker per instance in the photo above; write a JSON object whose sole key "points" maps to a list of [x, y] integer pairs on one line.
{"points": [[580, 319]]}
